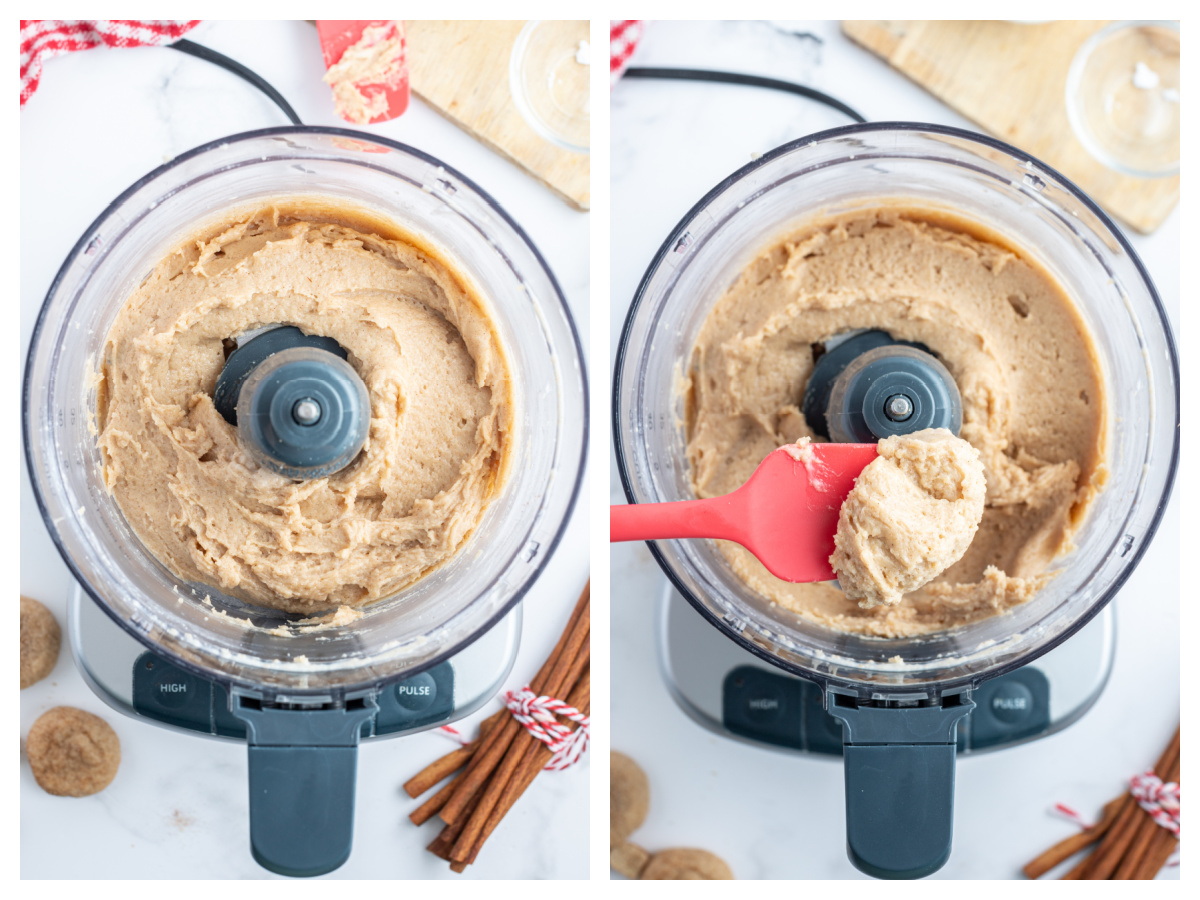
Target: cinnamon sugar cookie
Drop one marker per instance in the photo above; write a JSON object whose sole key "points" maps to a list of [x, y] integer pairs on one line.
{"points": [[41, 639], [629, 798], [686, 864], [72, 753]]}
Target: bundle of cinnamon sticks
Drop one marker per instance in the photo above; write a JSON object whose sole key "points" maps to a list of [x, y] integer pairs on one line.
{"points": [[1129, 844], [502, 762]]}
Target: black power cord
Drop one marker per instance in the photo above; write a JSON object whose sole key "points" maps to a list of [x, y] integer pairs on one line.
{"points": [[747, 80], [219, 59], [199, 51]]}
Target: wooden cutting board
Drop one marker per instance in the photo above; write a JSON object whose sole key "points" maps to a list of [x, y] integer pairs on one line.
{"points": [[461, 70], [1011, 80]]}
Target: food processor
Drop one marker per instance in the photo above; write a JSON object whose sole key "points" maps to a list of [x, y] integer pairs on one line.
{"points": [[302, 693], [897, 709]]}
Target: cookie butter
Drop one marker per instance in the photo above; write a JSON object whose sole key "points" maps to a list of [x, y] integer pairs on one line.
{"points": [[911, 515], [1032, 395], [417, 335]]}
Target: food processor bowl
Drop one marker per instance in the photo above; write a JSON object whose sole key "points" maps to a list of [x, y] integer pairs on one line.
{"points": [[263, 654], [1007, 192], [197, 625]]}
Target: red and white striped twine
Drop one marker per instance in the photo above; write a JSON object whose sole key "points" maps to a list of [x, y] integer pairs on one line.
{"points": [[1158, 798], [42, 39], [538, 715], [1074, 816], [455, 735]]}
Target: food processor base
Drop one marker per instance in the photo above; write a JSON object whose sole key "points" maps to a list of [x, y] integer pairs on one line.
{"points": [[737, 695], [141, 684], [302, 751]]}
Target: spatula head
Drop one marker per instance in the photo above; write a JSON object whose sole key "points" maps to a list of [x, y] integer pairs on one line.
{"points": [[792, 503], [387, 93]]}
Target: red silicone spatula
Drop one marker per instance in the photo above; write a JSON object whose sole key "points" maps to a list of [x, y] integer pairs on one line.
{"points": [[381, 90], [786, 514]]}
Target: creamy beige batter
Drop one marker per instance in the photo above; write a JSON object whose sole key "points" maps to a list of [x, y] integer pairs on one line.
{"points": [[911, 515], [1033, 399], [418, 336]]}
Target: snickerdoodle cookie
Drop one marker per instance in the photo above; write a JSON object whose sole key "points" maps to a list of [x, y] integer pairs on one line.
{"points": [[72, 753], [41, 639]]}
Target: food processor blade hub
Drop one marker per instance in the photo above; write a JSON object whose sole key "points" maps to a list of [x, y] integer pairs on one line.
{"points": [[871, 386], [300, 408]]}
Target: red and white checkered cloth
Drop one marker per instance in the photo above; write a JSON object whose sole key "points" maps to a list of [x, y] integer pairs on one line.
{"points": [[623, 37], [42, 39]]}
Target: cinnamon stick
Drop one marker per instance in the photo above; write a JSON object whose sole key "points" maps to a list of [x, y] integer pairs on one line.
{"points": [[1116, 843], [1104, 859], [444, 842], [438, 847], [521, 783], [552, 685], [439, 769], [493, 745], [434, 804], [491, 750], [1160, 850], [497, 767], [1135, 865], [1142, 838], [531, 766], [450, 763], [1169, 761], [574, 658], [1077, 870], [1064, 850]]}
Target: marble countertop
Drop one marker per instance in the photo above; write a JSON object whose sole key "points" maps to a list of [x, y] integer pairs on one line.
{"points": [[768, 814], [178, 806]]}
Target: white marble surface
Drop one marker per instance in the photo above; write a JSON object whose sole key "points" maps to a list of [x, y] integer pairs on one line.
{"points": [[177, 809], [768, 814]]}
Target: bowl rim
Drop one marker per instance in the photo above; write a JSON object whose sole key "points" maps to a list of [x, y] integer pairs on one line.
{"points": [[80, 247], [946, 685]]}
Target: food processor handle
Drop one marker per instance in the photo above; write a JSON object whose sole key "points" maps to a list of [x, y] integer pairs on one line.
{"points": [[302, 808], [899, 770], [303, 764]]}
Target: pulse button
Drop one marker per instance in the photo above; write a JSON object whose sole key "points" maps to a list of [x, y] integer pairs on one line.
{"points": [[1011, 702], [417, 693], [1009, 708]]}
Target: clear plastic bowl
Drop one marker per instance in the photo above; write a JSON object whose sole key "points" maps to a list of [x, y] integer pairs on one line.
{"points": [[449, 607], [973, 177]]}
